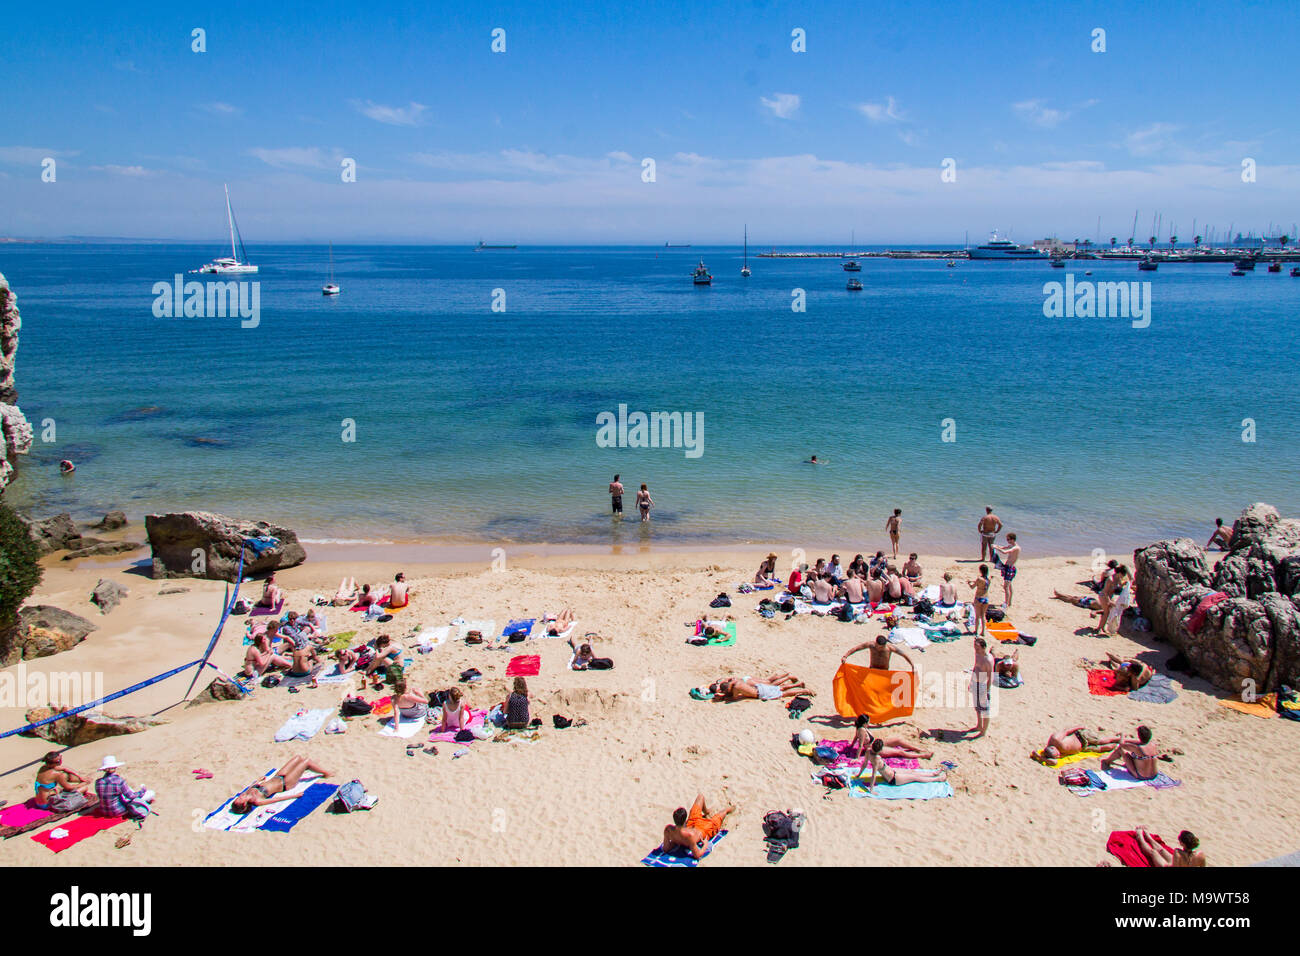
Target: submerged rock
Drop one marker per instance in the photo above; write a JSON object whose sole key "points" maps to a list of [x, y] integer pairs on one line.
{"points": [[111, 521], [1250, 635], [201, 544], [100, 548]]}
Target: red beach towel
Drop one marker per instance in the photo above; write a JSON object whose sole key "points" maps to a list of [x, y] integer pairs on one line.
{"points": [[1123, 845], [525, 665], [1197, 620], [77, 829], [1101, 683]]}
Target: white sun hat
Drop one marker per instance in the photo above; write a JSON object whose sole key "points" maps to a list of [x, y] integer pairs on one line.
{"points": [[111, 763]]}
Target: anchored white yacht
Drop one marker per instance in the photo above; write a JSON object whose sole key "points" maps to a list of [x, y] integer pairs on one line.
{"points": [[237, 262], [997, 248]]}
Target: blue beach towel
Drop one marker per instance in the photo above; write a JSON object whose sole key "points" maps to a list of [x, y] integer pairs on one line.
{"points": [[312, 797], [524, 627], [931, 790], [259, 546], [657, 857]]}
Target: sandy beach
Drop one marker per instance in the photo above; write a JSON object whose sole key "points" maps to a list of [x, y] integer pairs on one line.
{"points": [[600, 794]]}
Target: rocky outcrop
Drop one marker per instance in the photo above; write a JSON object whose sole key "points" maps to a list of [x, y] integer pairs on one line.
{"points": [[15, 430], [42, 631], [86, 727], [102, 548], [200, 544], [56, 533], [111, 521], [107, 595], [220, 689], [1253, 633]]}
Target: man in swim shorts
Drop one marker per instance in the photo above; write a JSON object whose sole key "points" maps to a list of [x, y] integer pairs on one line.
{"points": [[881, 653], [779, 685], [616, 496], [981, 687], [1007, 564], [988, 526], [694, 830], [399, 593], [1076, 740]]}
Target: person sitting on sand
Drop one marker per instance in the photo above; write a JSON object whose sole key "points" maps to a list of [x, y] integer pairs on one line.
{"points": [[271, 594], [282, 642], [835, 570], [1187, 853], [116, 797], [858, 566], [893, 746], [1139, 756], [732, 689], [346, 595], [455, 712], [1222, 536], [823, 590], [584, 655], [1079, 600], [367, 597], [852, 590], [399, 592], [1129, 674], [1076, 740], [766, 574], [796, 579], [875, 588], [694, 830], [409, 703], [879, 562], [306, 661], [881, 653], [346, 660], [260, 657], [892, 776], [912, 570], [947, 591], [274, 787], [388, 654], [297, 630], [58, 788], [515, 706], [560, 623]]}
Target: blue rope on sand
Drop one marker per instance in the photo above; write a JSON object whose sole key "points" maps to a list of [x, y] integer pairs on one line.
{"points": [[200, 664]]}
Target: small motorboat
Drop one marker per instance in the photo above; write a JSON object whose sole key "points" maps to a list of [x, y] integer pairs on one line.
{"points": [[1295, 272], [1275, 267], [852, 265], [1147, 265], [1058, 262], [1238, 272], [854, 285], [951, 264], [701, 275]]}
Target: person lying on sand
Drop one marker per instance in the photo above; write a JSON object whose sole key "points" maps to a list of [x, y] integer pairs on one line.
{"points": [[875, 769], [881, 653], [346, 595], [346, 660], [1129, 674], [1139, 756], [1008, 665], [1187, 853], [271, 594], [260, 658], [742, 688], [367, 597], [1078, 600], [555, 626], [265, 791], [693, 830], [893, 746], [1076, 740]]}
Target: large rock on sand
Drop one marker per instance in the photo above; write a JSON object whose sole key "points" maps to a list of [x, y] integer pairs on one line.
{"points": [[1253, 633], [86, 727], [56, 533], [108, 595], [42, 631], [200, 544]]}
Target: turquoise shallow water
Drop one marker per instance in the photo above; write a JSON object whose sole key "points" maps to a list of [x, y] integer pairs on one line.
{"points": [[480, 425]]}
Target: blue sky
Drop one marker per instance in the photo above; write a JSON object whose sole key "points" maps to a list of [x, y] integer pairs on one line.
{"points": [[545, 142]]}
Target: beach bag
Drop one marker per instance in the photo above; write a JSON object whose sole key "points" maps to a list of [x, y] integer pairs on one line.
{"points": [[797, 706], [600, 664], [832, 781], [995, 614], [778, 825], [474, 637], [354, 707], [721, 601], [787, 606], [352, 796], [561, 722], [67, 800], [923, 606]]}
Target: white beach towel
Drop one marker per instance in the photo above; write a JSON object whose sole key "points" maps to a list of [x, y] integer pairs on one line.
{"points": [[333, 676], [223, 818], [407, 728], [930, 592], [911, 636], [303, 726], [540, 632], [431, 637], [488, 629]]}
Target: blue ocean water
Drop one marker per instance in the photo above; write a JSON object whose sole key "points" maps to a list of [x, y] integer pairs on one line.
{"points": [[475, 425]]}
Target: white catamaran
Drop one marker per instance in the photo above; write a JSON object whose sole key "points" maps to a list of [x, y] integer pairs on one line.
{"points": [[330, 288], [237, 263]]}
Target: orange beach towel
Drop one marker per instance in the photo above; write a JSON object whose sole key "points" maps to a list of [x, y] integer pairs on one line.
{"points": [[881, 695]]}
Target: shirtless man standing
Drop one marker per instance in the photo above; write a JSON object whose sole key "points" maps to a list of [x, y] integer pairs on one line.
{"points": [[694, 830], [1139, 755], [881, 653], [616, 496], [981, 687], [1010, 555], [894, 525], [988, 526]]}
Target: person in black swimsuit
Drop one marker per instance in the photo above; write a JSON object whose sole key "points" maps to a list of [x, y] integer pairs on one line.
{"points": [[265, 790]]}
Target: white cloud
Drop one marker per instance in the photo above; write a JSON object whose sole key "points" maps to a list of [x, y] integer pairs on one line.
{"points": [[781, 105], [1038, 113], [1150, 139], [134, 171], [300, 157], [222, 109], [410, 115], [886, 112], [32, 155]]}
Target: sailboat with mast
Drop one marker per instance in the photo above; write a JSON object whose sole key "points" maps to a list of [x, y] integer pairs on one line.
{"points": [[744, 268], [237, 263], [330, 288]]}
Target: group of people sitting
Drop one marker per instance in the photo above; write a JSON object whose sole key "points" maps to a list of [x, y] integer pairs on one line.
{"points": [[61, 789], [291, 644], [873, 580], [397, 595]]}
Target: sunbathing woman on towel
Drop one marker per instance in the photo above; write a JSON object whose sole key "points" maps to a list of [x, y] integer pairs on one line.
{"points": [[271, 594], [260, 658], [1076, 740], [264, 791], [893, 746], [892, 776], [1139, 756], [558, 625], [776, 686], [767, 572], [1186, 855], [1079, 600], [346, 595], [1129, 675]]}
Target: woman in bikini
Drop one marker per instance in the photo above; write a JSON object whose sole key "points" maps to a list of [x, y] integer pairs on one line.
{"points": [[346, 595], [644, 502], [981, 586], [265, 790], [409, 703], [261, 658], [271, 594], [455, 712], [58, 788], [1187, 853], [893, 746], [891, 776], [561, 623]]}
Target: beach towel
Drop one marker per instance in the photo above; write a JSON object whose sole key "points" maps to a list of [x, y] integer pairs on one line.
{"points": [[1265, 706], [699, 693], [1197, 619], [1117, 778], [475, 722], [913, 637], [1101, 683], [1002, 631], [880, 694], [941, 633], [267, 611], [332, 676], [929, 790], [525, 665], [431, 637], [289, 681], [1065, 761], [1158, 690], [728, 626], [406, 729], [24, 817], [1123, 845], [223, 818], [339, 641], [842, 761], [931, 593], [313, 797], [303, 725], [71, 832], [383, 707], [657, 857], [1010, 683], [524, 627], [487, 628]]}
